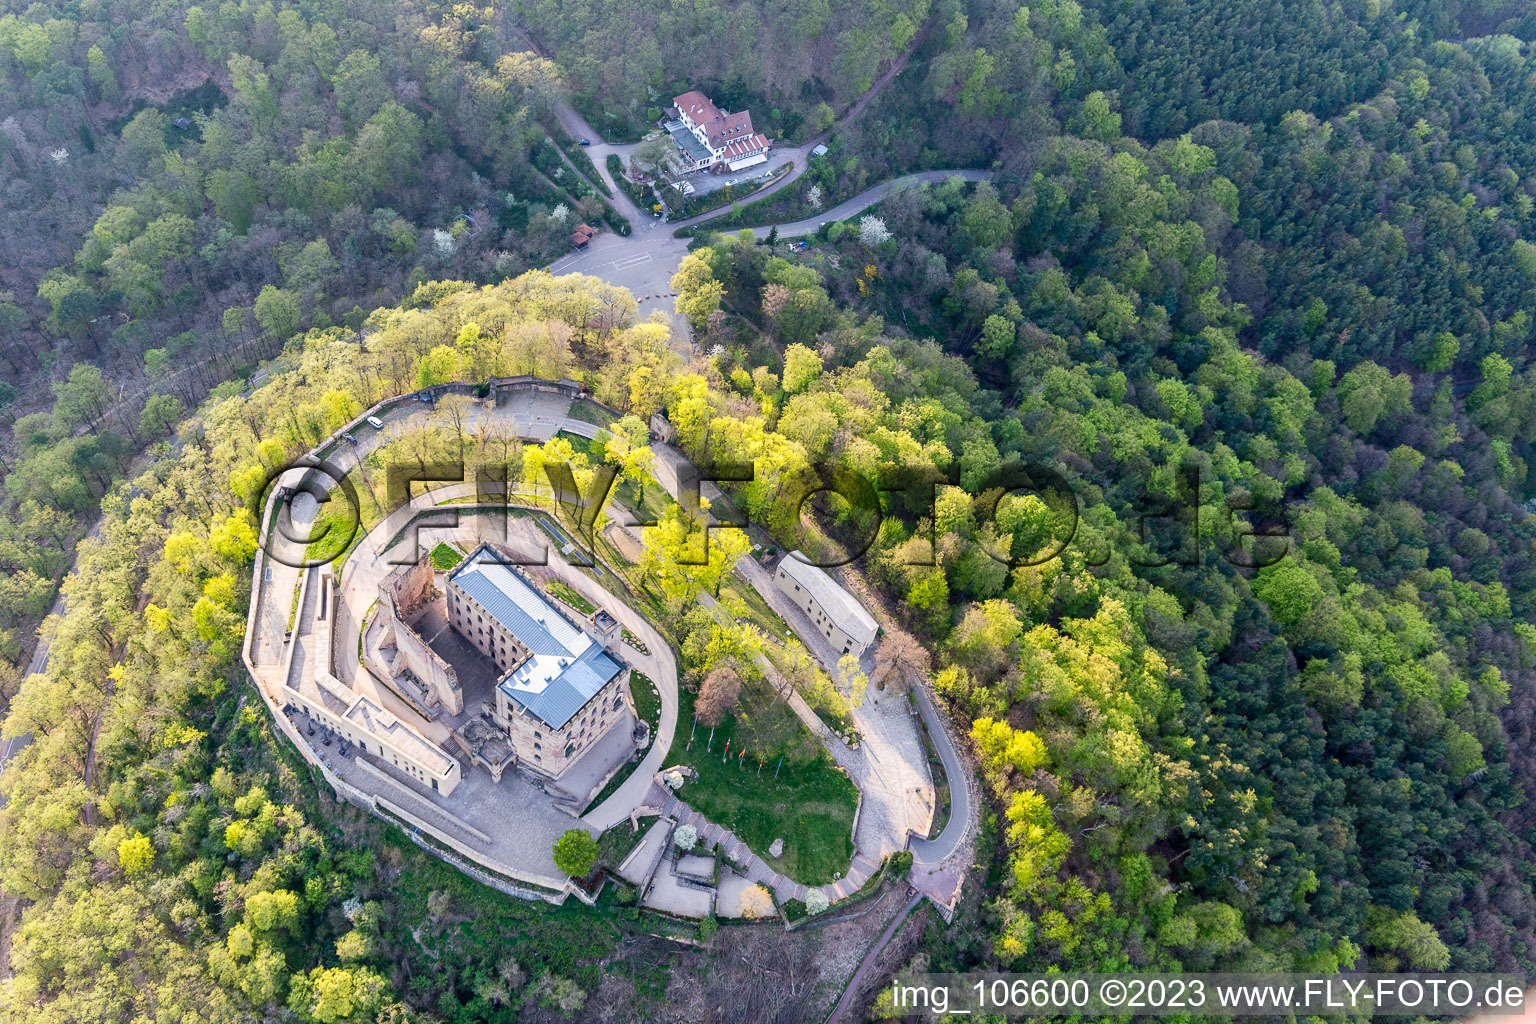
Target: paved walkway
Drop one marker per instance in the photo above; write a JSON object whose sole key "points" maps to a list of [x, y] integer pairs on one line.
{"points": [[940, 864], [888, 767]]}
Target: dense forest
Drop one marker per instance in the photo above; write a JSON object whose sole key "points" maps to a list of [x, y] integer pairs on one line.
{"points": [[1314, 293], [1269, 269], [185, 188], [794, 63]]}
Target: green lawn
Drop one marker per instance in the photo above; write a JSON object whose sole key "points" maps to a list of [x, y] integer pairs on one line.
{"points": [[344, 527], [648, 505], [647, 699], [590, 412], [337, 530], [758, 609], [617, 843], [445, 556], [567, 594], [810, 806]]}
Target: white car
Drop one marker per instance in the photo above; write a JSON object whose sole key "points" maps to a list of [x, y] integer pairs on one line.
{"points": [[731, 182], [375, 423]]}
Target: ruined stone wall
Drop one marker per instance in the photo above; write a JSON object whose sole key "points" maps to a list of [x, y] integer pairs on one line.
{"points": [[410, 586], [401, 594]]}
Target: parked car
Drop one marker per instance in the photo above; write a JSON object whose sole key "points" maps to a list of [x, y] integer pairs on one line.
{"points": [[732, 181], [583, 142], [375, 423]]}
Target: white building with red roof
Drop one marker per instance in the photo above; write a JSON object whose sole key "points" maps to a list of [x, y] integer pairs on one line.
{"points": [[711, 139]]}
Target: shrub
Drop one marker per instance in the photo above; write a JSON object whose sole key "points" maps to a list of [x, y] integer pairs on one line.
{"points": [[756, 902], [575, 852]]}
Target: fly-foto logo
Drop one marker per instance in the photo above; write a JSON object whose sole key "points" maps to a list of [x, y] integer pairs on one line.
{"points": [[1169, 524]]}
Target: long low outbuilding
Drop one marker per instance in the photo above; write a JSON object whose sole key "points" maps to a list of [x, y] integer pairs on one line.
{"points": [[837, 615]]}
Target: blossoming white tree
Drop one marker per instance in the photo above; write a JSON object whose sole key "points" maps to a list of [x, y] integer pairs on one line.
{"points": [[872, 231]]}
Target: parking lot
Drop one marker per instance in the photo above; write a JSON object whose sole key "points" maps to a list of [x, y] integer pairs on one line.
{"points": [[643, 264], [704, 182]]}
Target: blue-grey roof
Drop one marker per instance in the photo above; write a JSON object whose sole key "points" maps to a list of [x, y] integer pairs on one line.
{"points": [[564, 669], [687, 141], [565, 694], [518, 605]]}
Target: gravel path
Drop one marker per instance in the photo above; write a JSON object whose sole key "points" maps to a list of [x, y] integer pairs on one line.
{"points": [[855, 983]]}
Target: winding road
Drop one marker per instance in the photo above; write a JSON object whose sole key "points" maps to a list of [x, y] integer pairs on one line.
{"points": [[940, 848], [869, 197], [599, 150], [645, 260], [39, 662]]}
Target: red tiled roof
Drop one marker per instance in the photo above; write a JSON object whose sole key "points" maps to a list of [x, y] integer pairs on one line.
{"points": [[582, 235], [745, 147], [697, 106], [729, 128]]}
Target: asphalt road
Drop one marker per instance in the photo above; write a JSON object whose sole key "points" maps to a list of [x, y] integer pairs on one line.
{"points": [[644, 263], [869, 197], [933, 851]]}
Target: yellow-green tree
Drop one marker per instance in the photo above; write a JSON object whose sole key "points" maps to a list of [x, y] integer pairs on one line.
{"points": [[684, 559], [698, 293]]}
